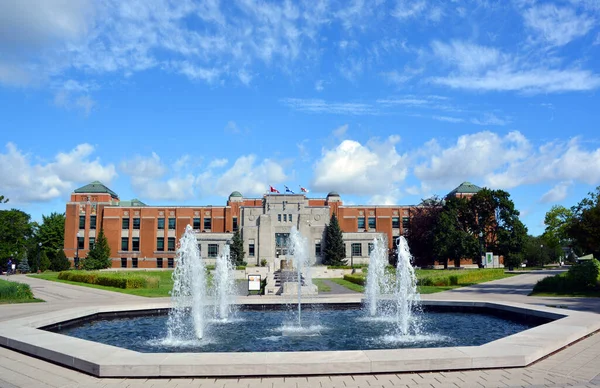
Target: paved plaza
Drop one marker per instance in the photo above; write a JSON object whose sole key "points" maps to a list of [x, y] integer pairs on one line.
{"points": [[576, 365]]}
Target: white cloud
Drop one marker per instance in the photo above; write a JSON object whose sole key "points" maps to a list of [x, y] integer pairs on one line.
{"points": [[232, 127], [505, 162], [217, 163], [557, 25], [24, 181], [72, 94], [374, 168], [321, 106], [466, 56], [340, 131], [396, 78], [449, 119], [557, 193], [319, 85], [490, 119], [247, 176], [406, 9]]}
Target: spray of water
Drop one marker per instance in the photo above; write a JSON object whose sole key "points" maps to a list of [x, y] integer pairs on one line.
{"points": [[376, 279], [298, 249], [224, 285], [189, 290], [406, 294]]}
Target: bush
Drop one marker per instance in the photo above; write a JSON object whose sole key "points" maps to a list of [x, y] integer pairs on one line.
{"points": [[59, 262], [444, 279], [356, 279], [263, 263], [14, 291], [586, 274], [117, 280], [580, 277], [240, 267]]}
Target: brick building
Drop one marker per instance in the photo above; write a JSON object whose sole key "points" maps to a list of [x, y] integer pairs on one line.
{"points": [[142, 236]]}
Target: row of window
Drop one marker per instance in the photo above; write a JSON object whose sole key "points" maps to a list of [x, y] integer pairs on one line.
{"points": [[171, 223], [286, 217], [213, 249], [373, 222], [81, 242], [82, 222], [159, 262]]}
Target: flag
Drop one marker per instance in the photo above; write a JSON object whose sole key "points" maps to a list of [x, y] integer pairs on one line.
{"points": [[303, 189], [274, 190], [287, 190]]}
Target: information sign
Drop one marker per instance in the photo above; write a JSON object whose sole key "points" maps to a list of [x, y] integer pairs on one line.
{"points": [[253, 282]]}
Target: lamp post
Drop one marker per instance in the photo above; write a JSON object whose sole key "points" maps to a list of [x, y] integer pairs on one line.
{"points": [[542, 254], [76, 259], [480, 249], [38, 256]]}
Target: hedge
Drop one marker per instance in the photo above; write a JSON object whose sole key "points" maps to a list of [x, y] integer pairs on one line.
{"points": [[580, 278], [13, 291], [115, 279], [356, 279], [439, 279]]}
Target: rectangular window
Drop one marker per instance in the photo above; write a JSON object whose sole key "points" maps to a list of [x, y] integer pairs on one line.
{"points": [[125, 224], [123, 262], [235, 224], [251, 250], [356, 249], [159, 262], [207, 223], [171, 243], [135, 244], [395, 241], [285, 218], [136, 223], [196, 223], [361, 222], [80, 242], [213, 250], [395, 222], [124, 243], [290, 217], [160, 244], [279, 217], [371, 247], [161, 224], [92, 242], [172, 223], [92, 222], [372, 223], [405, 222], [170, 262], [318, 249], [81, 222], [134, 262], [282, 240]]}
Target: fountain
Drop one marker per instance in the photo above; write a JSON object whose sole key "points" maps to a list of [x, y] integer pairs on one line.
{"points": [[189, 289], [376, 278], [406, 294], [224, 284], [298, 249]]}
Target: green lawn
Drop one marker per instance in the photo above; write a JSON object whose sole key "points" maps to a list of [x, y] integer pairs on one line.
{"points": [[13, 292], [321, 286], [347, 284], [164, 287]]}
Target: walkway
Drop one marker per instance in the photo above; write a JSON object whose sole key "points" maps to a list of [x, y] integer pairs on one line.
{"points": [[577, 365]]}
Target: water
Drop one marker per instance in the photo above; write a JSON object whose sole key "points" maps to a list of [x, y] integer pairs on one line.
{"points": [[189, 295], [224, 285], [376, 277], [338, 329], [298, 249], [401, 286], [406, 295]]}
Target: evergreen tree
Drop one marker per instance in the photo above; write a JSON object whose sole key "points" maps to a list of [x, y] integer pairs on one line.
{"points": [[59, 262], [99, 256], [44, 262], [236, 250], [23, 266], [335, 251]]}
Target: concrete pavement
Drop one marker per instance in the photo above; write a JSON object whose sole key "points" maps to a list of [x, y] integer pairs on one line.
{"points": [[576, 365]]}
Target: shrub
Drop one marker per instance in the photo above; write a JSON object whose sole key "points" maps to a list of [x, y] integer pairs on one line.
{"points": [[14, 291], [240, 267], [263, 263], [356, 279], [118, 280], [586, 274]]}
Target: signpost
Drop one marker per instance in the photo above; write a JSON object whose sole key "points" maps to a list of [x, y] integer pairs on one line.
{"points": [[489, 260], [254, 283]]}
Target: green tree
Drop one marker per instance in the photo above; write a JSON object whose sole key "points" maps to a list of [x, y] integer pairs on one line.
{"points": [[236, 250], [44, 262], [420, 235], [558, 220], [585, 226], [23, 266], [51, 233], [59, 261], [453, 238], [335, 252], [99, 256], [16, 229], [2, 199]]}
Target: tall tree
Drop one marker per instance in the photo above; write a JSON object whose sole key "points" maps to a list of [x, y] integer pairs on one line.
{"points": [[420, 235], [99, 256], [453, 238], [558, 220], [335, 252], [16, 229], [585, 227], [2, 199], [236, 250], [51, 233]]}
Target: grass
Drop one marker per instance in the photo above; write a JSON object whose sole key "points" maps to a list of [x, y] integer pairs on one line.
{"points": [[13, 292], [321, 286], [574, 294], [348, 285], [164, 287]]}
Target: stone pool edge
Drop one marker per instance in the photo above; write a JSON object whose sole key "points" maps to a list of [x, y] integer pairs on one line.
{"points": [[517, 350]]}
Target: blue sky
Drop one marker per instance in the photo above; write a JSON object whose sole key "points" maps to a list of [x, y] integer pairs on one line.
{"points": [[387, 102]]}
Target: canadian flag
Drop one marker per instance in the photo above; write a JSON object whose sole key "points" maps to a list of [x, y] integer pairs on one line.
{"points": [[303, 189], [274, 190]]}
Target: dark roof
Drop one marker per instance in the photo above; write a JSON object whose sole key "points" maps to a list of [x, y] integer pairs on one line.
{"points": [[465, 188], [96, 187], [333, 193], [236, 194]]}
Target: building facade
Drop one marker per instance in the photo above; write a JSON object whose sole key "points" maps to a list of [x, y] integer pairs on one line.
{"points": [[142, 236]]}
